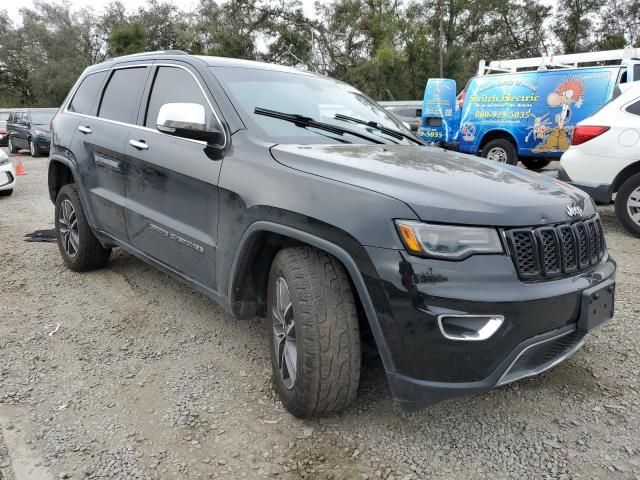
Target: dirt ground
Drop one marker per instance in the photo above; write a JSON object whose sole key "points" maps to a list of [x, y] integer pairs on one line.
{"points": [[125, 373]]}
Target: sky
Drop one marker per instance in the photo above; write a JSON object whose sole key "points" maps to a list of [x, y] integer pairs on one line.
{"points": [[13, 6]]}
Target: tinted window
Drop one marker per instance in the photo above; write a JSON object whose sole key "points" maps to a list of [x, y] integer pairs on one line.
{"points": [[634, 108], [173, 85], [86, 93], [122, 95]]}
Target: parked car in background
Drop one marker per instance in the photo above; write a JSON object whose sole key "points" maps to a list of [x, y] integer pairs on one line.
{"points": [[524, 109], [409, 112], [290, 196], [604, 157], [4, 116], [29, 128], [7, 175]]}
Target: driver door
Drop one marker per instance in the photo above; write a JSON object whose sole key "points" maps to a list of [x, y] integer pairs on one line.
{"points": [[171, 209]]}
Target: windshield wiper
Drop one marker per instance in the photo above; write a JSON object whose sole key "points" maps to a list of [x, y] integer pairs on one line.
{"points": [[304, 122], [387, 131]]}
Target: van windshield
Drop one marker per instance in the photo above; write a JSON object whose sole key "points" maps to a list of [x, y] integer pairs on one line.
{"points": [[42, 118], [320, 99]]}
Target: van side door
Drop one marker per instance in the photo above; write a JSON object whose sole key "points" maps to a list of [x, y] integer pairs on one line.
{"points": [[172, 182]]}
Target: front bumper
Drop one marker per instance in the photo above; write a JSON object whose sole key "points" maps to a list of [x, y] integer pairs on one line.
{"points": [[424, 367], [42, 143]]}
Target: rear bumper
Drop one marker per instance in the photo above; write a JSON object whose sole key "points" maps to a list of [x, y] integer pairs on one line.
{"points": [[425, 367], [600, 193]]}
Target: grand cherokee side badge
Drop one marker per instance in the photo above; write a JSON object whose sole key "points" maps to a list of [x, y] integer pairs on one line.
{"points": [[574, 210]]}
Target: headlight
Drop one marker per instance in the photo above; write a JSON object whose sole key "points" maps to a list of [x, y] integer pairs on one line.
{"points": [[4, 159], [449, 242], [41, 133]]}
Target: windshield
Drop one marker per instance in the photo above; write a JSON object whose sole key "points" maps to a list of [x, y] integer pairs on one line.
{"points": [[320, 99], [4, 116], [3, 123], [42, 118]]}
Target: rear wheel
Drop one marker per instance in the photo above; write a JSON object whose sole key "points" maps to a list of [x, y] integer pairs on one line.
{"points": [[12, 146], [535, 163], [500, 150], [313, 334], [628, 205], [80, 249]]}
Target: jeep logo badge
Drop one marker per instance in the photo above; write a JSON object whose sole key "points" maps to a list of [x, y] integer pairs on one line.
{"points": [[574, 210]]}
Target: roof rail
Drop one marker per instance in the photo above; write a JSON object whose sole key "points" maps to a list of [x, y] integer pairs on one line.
{"points": [[157, 52], [571, 60]]}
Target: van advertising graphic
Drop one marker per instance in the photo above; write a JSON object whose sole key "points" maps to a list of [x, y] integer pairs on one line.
{"points": [[438, 111], [539, 109]]}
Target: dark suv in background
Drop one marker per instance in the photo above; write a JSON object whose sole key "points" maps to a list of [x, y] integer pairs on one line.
{"points": [[29, 128], [287, 195]]}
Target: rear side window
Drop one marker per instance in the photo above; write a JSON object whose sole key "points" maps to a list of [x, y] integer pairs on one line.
{"points": [[122, 96], [86, 93], [634, 108], [174, 85]]}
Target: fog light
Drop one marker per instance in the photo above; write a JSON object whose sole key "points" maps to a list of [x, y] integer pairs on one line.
{"points": [[469, 328]]}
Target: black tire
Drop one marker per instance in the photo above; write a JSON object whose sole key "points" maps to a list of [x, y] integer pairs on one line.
{"points": [[627, 191], [501, 145], [12, 146], [33, 149], [535, 163], [326, 333], [6, 193], [90, 255]]}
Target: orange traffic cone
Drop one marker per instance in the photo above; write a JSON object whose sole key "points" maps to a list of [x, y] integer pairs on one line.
{"points": [[20, 170]]}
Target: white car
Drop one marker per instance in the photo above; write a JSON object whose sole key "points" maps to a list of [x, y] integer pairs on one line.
{"points": [[604, 156], [7, 175]]}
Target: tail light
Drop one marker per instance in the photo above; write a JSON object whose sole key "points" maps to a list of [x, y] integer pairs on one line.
{"points": [[584, 133]]}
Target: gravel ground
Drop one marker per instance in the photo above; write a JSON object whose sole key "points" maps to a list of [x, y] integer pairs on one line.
{"points": [[144, 378]]}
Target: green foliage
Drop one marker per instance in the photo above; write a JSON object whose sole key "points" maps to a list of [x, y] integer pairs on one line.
{"points": [[387, 48]]}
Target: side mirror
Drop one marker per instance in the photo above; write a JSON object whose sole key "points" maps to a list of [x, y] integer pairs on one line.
{"points": [[187, 120]]}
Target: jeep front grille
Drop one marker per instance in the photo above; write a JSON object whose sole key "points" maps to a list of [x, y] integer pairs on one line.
{"points": [[552, 251]]}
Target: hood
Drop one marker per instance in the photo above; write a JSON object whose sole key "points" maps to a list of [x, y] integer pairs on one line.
{"points": [[440, 185]]}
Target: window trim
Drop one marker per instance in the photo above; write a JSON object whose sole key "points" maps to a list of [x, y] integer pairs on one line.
{"points": [[141, 127]]}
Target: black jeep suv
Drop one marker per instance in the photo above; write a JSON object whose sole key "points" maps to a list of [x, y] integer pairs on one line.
{"points": [[291, 196]]}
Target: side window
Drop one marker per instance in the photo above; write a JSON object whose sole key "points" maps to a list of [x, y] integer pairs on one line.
{"points": [[86, 93], [634, 108], [121, 97], [25, 118], [174, 85]]}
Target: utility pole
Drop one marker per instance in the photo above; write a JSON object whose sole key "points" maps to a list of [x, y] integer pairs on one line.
{"points": [[441, 37]]}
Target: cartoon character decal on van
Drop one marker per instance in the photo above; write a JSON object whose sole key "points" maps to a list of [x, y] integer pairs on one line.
{"points": [[568, 94]]}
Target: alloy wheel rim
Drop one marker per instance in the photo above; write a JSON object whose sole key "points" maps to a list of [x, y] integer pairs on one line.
{"points": [[633, 206], [497, 154], [68, 227], [10, 144], [284, 333], [32, 148]]}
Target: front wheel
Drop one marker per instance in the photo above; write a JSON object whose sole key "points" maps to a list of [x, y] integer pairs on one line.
{"points": [[313, 333], [500, 150], [80, 249], [535, 163], [33, 149], [628, 205]]}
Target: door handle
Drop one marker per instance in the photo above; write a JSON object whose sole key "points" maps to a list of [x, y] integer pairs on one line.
{"points": [[85, 130], [140, 145]]}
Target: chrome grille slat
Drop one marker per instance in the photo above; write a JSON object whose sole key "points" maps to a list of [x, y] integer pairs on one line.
{"points": [[552, 251]]}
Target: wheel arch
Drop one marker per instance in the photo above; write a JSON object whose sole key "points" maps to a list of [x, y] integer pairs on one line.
{"points": [[496, 134], [256, 250], [623, 175], [61, 173]]}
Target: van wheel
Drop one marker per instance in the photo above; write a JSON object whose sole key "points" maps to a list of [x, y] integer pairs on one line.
{"points": [[500, 150], [33, 149], [12, 146], [313, 334], [535, 163], [78, 246], [628, 205]]}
